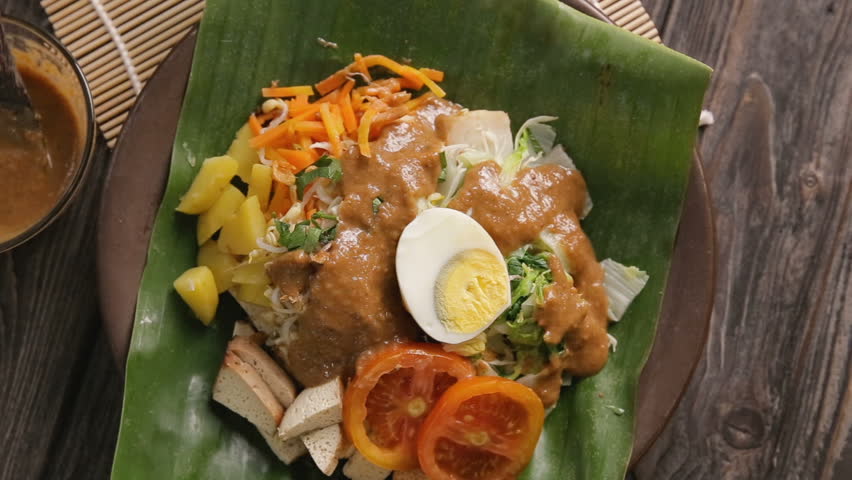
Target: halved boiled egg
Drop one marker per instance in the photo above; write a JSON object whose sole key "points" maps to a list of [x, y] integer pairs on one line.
{"points": [[452, 276]]}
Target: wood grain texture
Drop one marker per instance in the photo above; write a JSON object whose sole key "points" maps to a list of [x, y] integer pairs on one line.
{"points": [[771, 399], [60, 395], [773, 396]]}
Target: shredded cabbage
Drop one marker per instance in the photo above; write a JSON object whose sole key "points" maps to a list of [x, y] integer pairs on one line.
{"points": [[622, 284]]}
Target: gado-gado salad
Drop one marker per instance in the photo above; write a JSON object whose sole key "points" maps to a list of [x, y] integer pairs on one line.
{"points": [[416, 278]]}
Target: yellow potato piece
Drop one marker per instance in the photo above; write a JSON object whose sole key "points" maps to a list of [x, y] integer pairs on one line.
{"points": [[215, 174], [251, 274], [253, 294], [240, 232], [197, 288], [212, 220], [221, 264], [243, 153], [261, 184]]}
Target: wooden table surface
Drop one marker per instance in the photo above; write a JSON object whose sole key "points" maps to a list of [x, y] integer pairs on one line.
{"points": [[772, 397]]}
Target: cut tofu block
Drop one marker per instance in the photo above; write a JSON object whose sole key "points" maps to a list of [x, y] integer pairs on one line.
{"points": [[359, 468], [286, 450], [314, 408], [243, 328], [278, 382], [410, 475], [240, 388], [324, 445]]}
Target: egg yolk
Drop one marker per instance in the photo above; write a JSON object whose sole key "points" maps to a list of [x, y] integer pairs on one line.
{"points": [[471, 290]]}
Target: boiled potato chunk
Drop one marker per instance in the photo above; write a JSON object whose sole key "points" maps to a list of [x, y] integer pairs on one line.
{"points": [[251, 274], [197, 288], [253, 294], [212, 220], [243, 153], [240, 233], [261, 184], [215, 174], [221, 264]]}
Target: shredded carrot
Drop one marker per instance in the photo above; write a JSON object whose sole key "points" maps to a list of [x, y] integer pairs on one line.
{"points": [[333, 82], [392, 84], [411, 75], [349, 119], [269, 136], [331, 129], [344, 92], [415, 103], [299, 159], [362, 67], [432, 74], [309, 127], [411, 84], [311, 207], [385, 118], [308, 113], [288, 91], [438, 91], [280, 202], [364, 132], [298, 103], [337, 116], [254, 125], [330, 98], [305, 142]]}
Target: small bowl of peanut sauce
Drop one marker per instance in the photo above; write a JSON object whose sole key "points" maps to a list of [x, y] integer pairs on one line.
{"points": [[34, 191]]}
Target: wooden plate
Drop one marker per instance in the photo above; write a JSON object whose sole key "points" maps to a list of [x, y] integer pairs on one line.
{"points": [[138, 177]]}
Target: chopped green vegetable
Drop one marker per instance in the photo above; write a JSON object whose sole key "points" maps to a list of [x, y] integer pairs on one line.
{"points": [[530, 275], [327, 167], [443, 176], [323, 215], [377, 202], [307, 234]]}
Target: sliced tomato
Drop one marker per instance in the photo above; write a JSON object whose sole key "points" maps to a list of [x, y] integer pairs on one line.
{"points": [[393, 391], [481, 428]]}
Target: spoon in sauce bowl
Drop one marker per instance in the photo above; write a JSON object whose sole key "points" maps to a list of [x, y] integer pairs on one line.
{"points": [[47, 130], [20, 125]]}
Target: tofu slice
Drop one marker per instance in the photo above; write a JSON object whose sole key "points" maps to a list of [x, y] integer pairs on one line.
{"points": [[241, 389], [359, 468], [325, 445], [278, 382], [409, 475], [314, 408], [286, 450]]}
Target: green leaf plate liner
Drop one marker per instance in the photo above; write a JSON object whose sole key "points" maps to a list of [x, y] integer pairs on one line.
{"points": [[628, 110]]}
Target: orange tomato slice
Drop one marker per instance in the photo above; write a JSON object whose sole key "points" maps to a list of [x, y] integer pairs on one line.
{"points": [[481, 428], [393, 391]]}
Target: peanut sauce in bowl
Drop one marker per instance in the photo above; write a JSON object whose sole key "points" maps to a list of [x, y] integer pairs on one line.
{"points": [[35, 190]]}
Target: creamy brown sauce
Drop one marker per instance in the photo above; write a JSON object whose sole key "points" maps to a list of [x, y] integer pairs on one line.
{"points": [[548, 197], [29, 185], [353, 297]]}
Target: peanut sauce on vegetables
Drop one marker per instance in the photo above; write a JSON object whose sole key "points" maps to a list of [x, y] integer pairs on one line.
{"points": [[29, 185], [353, 301], [353, 298]]}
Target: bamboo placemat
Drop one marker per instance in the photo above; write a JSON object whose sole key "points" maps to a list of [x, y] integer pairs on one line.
{"points": [[120, 43]]}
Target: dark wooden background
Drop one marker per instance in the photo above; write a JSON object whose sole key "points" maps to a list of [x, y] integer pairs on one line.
{"points": [[772, 397]]}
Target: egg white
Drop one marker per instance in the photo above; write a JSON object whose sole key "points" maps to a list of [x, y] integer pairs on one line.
{"points": [[426, 245]]}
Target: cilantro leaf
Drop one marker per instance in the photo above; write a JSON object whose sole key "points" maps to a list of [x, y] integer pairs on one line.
{"points": [[327, 167]]}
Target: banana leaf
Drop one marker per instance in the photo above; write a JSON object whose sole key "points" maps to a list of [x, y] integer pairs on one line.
{"points": [[628, 111]]}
